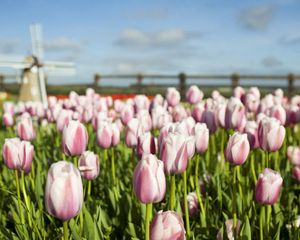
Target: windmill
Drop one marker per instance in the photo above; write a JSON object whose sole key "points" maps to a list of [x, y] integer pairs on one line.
{"points": [[33, 79]]}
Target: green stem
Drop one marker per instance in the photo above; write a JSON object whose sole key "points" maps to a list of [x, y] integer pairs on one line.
{"points": [[268, 159], [89, 189], [27, 203], [147, 220], [32, 175], [19, 196], [198, 192], [186, 209], [172, 193], [113, 171], [269, 211], [238, 174], [66, 231], [253, 168], [234, 198], [261, 223]]}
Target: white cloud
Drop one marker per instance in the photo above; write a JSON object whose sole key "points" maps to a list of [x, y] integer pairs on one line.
{"points": [[133, 37], [290, 39], [271, 62], [61, 44], [9, 46], [258, 17]]}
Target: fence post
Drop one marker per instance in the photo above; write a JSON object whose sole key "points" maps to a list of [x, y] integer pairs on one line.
{"points": [[1, 81], [139, 80], [291, 80], [235, 80], [182, 83], [97, 79]]}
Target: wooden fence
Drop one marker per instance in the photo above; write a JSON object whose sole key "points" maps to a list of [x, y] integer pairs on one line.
{"points": [[235, 79]]}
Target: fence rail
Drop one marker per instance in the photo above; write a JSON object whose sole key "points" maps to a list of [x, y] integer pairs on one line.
{"points": [[183, 78]]}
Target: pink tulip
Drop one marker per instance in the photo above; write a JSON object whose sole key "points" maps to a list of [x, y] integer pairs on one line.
{"points": [[18, 154], [25, 129], [239, 93], [209, 118], [145, 119], [268, 187], [88, 165], [296, 173], [166, 226], [235, 114], [270, 134], [201, 137], [278, 112], [104, 135], [134, 129], [127, 114], [251, 102], [74, 138], [141, 102], [251, 129], [149, 180], [146, 144], [193, 204], [237, 149], [197, 112], [172, 97], [115, 134], [293, 154], [293, 114], [9, 107], [229, 230], [164, 119], [255, 91], [194, 95], [64, 191], [63, 118], [220, 114], [174, 153], [8, 119]]}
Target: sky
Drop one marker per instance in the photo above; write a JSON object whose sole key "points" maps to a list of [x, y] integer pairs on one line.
{"points": [[135, 36]]}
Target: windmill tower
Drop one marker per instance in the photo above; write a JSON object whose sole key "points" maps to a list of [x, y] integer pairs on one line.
{"points": [[33, 80]]}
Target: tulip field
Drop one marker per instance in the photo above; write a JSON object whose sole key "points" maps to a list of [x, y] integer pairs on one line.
{"points": [[174, 167]]}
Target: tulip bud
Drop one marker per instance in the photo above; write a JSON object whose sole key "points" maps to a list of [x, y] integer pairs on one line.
{"points": [[8, 120], [268, 187], [197, 112], [270, 134], [235, 114], [64, 191], [115, 134], [74, 138], [201, 137], [127, 114], [172, 96], [167, 225], [174, 153], [134, 129], [25, 129], [237, 149], [208, 117], [149, 180], [88, 165], [229, 230], [251, 129], [193, 204], [63, 118], [296, 173], [104, 135], [146, 144], [18, 154], [194, 95], [293, 154], [239, 92]]}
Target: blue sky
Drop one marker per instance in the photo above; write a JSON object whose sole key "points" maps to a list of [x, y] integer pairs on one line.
{"points": [[158, 36]]}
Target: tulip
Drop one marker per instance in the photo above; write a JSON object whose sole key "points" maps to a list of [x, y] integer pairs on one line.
{"points": [[163, 120], [141, 102], [201, 137], [229, 230], [9, 107], [209, 118], [88, 165], [172, 97], [25, 129], [134, 129], [193, 203], [251, 129], [149, 180], [178, 113], [167, 225], [251, 102], [270, 134], [115, 134], [296, 173], [174, 153], [63, 118], [74, 138], [8, 119], [237, 149], [293, 154], [127, 114], [268, 187], [255, 91], [146, 144], [278, 112], [293, 114], [235, 114], [197, 112], [220, 114], [104, 135], [18, 154], [194, 95], [239, 92], [64, 192]]}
